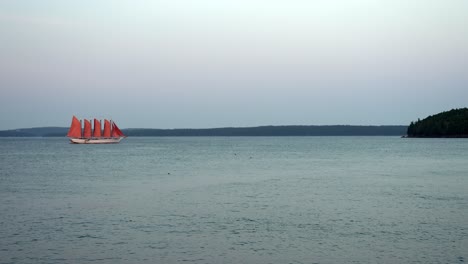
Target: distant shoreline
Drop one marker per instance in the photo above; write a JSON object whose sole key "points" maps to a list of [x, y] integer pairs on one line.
{"points": [[331, 130]]}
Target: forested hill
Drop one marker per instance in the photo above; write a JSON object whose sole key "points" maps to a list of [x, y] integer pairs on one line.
{"points": [[453, 123], [337, 130]]}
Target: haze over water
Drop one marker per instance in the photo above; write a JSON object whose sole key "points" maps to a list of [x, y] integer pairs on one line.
{"points": [[234, 200]]}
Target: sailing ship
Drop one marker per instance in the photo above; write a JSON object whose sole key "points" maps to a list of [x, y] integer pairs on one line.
{"points": [[110, 134]]}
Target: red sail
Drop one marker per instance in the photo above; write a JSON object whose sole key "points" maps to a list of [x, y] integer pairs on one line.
{"points": [[97, 128], [75, 128], [87, 129], [107, 128], [116, 132]]}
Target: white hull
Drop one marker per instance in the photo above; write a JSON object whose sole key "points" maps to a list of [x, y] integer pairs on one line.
{"points": [[95, 140]]}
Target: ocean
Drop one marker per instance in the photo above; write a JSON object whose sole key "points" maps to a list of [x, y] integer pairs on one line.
{"points": [[234, 200]]}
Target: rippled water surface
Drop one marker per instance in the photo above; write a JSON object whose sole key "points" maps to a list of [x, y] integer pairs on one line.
{"points": [[234, 200]]}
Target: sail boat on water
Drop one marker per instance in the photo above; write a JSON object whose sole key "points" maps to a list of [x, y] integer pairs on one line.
{"points": [[110, 134]]}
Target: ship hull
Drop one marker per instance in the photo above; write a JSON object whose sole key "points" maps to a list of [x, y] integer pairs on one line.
{"points": [[95, 140]]}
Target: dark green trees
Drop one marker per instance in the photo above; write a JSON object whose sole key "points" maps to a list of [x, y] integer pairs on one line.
{"points": [[453, 123]]}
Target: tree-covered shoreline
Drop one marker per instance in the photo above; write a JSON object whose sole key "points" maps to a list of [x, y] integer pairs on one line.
{"points": [[450, 124], [333, 130]]}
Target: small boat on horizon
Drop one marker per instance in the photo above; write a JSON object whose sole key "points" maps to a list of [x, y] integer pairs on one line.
{"points": [[110, 135]]}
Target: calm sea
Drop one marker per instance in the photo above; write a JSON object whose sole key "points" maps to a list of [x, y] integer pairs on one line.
{"points": [[234, 200]]}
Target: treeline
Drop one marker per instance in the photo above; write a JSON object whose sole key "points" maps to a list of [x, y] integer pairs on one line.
{"points": [[453, 123], [336, 130], [35, 132]]}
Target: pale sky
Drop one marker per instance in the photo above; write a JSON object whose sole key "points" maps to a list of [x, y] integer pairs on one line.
{"points": [[217, 63]]}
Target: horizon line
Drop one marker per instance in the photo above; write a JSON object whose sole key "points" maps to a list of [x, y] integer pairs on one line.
{"points": [[221, 127]]}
